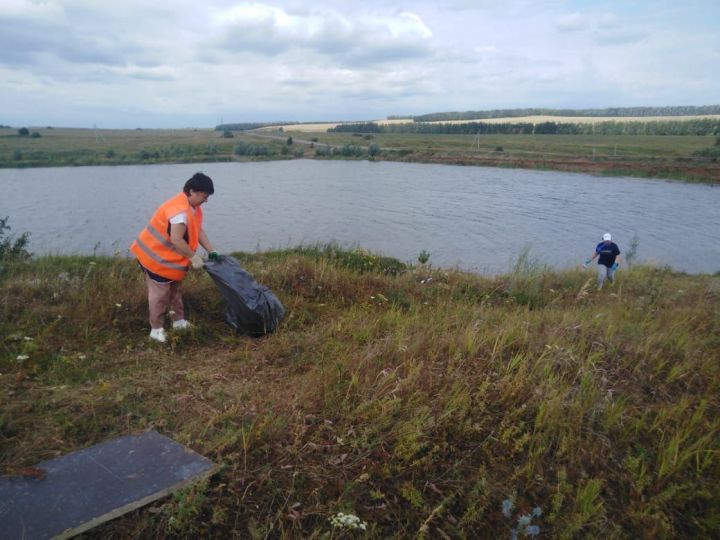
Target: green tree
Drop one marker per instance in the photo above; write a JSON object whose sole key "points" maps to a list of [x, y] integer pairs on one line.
{"points": [[23, 132], [373, 150], [289, 141]]}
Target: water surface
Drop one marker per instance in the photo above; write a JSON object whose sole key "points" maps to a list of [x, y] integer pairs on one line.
{"points": [[476, 218]]}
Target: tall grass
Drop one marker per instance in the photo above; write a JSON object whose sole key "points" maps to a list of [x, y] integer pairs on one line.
{"points": [[418, 405]]}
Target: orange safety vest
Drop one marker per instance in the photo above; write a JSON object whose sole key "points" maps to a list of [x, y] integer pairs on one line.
{"points": [[153, 247]]}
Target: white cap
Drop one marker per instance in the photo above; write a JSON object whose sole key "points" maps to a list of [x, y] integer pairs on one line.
{"points": [[607, 236]]}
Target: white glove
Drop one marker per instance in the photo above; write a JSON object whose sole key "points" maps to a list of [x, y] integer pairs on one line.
{"points": [[197, 261]]}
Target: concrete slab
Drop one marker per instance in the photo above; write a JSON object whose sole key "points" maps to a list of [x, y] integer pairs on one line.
{"points": [[91, 486]]}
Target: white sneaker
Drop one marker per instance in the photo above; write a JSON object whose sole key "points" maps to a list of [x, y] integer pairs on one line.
{"points": [[182, 324], [158, 334]]}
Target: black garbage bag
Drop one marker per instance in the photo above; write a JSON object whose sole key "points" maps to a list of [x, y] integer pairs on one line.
{"points": [[251, 308]]}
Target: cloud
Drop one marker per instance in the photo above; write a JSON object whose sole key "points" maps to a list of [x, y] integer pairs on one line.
{"points": [[39, 33], [572, 22], [602, 28], [619, 37], [270, 31]]}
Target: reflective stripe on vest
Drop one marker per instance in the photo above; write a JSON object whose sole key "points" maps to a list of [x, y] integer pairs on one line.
{"points": [[159, 259], [160, 238]]}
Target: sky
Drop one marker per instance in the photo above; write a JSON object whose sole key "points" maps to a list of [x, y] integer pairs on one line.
{"points": [[198, 63]]}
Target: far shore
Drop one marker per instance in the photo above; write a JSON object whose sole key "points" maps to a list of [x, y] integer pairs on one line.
{"points": [[660, 157]]}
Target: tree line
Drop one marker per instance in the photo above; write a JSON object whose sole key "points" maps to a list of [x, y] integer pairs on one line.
{"points": [[680, 110], [700, 127]]}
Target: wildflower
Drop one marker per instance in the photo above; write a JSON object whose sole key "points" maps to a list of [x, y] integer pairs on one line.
{"points": [[537, 511], [523, 521], [507, 506], [21, 357], [81, 356], [532, 530], [347, 521], [92, 263], [26, 338], [118, 305]]}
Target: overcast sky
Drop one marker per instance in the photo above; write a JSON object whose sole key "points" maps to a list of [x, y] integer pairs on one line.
{"points": [[193, 63]]}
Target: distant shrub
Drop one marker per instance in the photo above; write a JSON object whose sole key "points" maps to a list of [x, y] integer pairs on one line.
{"points": [[289, 141], [710, 152], [12, 249], [373, 149], [322, 152], [284, 151], [17, 155], [498, 148], [110, 153], [227, 134], [368, 137], [300, 152], [351, 150], [35, 135], [23, 132], [244, 149]]}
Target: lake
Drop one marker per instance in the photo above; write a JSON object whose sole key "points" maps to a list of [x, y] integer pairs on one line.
{"points": [[474, 218]]}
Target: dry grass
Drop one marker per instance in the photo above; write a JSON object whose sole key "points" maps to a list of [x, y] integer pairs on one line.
{"points": [[418, 401], [323, 127]]}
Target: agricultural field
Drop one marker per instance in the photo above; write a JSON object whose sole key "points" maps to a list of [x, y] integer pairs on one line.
{"points": [[321, 127]]}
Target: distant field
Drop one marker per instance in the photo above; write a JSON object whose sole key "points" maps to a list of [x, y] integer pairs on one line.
{"points": [[316, 128], [668, 156], [75, 146], [647, 146]]}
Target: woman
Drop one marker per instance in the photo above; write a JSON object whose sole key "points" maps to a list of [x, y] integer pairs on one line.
{"points": [[167, 247]]}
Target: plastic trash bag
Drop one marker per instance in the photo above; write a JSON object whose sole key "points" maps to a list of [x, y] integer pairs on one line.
{"points": [[251, 307]]}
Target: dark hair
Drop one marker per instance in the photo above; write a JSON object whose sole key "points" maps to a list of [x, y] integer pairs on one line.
{"points": [[199, 182]]}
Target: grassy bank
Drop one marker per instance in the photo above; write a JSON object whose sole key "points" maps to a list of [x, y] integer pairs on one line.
{"points": [[643, 156], [423, 401]]}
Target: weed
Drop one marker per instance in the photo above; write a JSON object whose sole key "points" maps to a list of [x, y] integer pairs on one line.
{"points": [[410, 397]]}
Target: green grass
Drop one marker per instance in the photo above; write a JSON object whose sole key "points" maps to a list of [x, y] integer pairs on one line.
{"points": [[418, 405], [644, 156], [561, 145], [70, 146]]}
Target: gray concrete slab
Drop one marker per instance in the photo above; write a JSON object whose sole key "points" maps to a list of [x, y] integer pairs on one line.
{"points": [[91, 486]]}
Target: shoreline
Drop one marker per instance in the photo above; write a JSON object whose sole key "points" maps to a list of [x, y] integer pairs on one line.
{"points": [[657, 169]]}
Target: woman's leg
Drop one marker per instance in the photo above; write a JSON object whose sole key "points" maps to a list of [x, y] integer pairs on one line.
{"points": [[158, 301], [176, 303]]}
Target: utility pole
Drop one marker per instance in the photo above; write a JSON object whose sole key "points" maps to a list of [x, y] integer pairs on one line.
{"points": [[476, 141]]}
